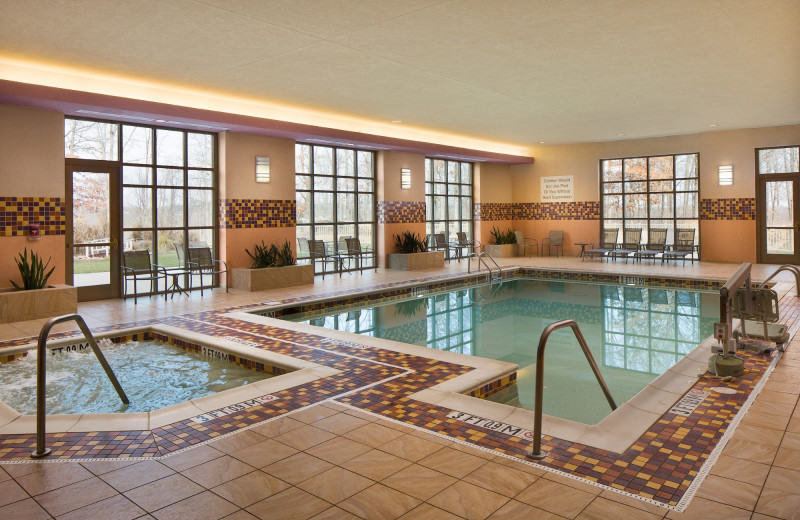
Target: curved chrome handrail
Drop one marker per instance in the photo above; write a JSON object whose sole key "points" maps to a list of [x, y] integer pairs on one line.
{"points": [[785, 267], [41, 375], [536, 449]]}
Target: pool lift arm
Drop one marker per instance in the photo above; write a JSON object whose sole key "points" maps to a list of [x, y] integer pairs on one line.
{"points": [[723, 361]]}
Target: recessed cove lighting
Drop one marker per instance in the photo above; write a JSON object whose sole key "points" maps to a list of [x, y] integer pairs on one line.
{"points": [[620, 134], [541, 142], [397, 121], [713, 124], [161, 120]]}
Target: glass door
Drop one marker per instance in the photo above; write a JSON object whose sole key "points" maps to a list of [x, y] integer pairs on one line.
{"points": [[92, 231], [777, 218]]}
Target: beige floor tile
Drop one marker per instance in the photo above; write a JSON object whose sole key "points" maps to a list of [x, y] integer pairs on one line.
{"points": [[782, 409], [783, 479], [335, 485], [779, 504], [313, 414], [500, 479], [116, 507], [419, 481], [791, 441], [411, 447], [106, 466], [428, 512], [373, 435], [765, 420], [513, 510], [468, 501], [203, 506], [52, 476], [741, 470], [250, 488], [164, 492], [745, 432], [237, 441], [777, 397], [703, 509], [751, 450], [26, 509], [602, 509], [10, 492], [338, 450], [453, 462], [518, 464], [136, 475], [335, 513], [556, 498], [379, 502], [264, 453], [75, 496], [240, 515], [190, 458], [633, 502], [580, 485], [305, 437], [730, 492], [298, 468], [787, 458], [291, 504], [340, 423], [277, 427], [376, 464], [4, 475], [217, 471]]}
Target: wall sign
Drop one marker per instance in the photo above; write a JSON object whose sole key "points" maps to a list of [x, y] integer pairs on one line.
{"points": [[558, 189]]}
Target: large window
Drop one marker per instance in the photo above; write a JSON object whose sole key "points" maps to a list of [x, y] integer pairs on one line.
{"points": [[168, 182], [777, 182], [448, 197], [335, 190], [651, 192]]}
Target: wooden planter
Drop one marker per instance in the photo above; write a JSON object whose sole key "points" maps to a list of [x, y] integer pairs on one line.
{"points": [[272, 277], [54, 300], [416, 261], [501, 251]]}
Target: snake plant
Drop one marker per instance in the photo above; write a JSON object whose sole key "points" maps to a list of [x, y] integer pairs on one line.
{"points": [[32, 271]]}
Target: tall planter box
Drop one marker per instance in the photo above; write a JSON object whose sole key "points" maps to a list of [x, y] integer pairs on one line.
{"points": [[272, 277], [416, 261], [501, 251], [55, 300]]}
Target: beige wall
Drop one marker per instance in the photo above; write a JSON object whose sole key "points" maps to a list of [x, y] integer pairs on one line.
{"points": [[31, 165], [388, 168]]}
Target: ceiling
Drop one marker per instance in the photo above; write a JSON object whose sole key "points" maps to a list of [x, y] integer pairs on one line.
{"points": [[519, 72]]}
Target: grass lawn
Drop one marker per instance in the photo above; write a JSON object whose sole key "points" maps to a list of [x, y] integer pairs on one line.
{"points": [[102, 265]]}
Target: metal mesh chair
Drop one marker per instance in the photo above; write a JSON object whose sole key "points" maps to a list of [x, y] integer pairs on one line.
{"points": [[632, 238], [607, 244], [203, 263], [136, 266], [656, 244], [554, 240], [684, 246]]}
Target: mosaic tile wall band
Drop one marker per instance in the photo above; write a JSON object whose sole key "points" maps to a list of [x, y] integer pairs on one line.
{"points": [[492, 211], [401, 212], [17, 213], [257, 213], [728, 209]]}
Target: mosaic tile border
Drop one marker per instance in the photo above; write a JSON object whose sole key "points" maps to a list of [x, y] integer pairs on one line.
{"points": [[17, 213], [401, 212], [257, 213], [728, 209], [492, 388]]}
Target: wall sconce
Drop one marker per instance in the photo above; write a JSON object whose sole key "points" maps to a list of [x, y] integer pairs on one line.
{"points": [[262, 169], [725, 175], [405, 178]]}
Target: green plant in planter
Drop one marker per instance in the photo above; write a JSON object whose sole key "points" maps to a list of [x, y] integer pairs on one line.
{"points": [[408, 242], [32, 271], [503, 237], [271, 255]]}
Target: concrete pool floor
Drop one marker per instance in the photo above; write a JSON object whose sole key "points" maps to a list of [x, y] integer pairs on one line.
{"points": [[333, 460]]}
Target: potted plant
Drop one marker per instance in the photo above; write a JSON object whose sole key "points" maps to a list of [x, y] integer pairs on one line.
{"points": [[504, 243], [33, 298], [273, 267], [412, 253]]}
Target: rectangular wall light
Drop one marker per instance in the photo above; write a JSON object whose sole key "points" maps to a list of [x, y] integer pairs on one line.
{"points": [[262, 169], [725, 175], [405, 178]]}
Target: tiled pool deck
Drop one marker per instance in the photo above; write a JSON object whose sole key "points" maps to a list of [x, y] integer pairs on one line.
{"points": [[663, 469]]}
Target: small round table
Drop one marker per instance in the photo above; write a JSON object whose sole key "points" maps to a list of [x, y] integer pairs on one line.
{"points": [[176, 282], [583, 248]]}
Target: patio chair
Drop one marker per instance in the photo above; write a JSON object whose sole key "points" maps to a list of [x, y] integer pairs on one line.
{"points": [[684, 246], [656, 244], [203, 263], [438, 242], [355, 251], [302, 250], [554, 240], [136, 266], [607, 244], [463, 244], [317, 253], [631, 242], [525, 243]]}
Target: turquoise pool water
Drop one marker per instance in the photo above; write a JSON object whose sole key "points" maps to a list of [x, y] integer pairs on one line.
{"points": [[634, 333]]}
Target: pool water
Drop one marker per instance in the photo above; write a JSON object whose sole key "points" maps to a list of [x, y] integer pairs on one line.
{"points": [[635, 334], [153, 375]]}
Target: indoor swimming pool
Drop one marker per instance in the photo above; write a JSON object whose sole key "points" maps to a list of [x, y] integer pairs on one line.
{"points": [[635, 334], [154, 374]]}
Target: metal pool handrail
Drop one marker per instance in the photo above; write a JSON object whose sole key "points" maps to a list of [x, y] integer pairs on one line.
{"points": [[482, 261], [786, 267], [536, 450], [41, 373]]}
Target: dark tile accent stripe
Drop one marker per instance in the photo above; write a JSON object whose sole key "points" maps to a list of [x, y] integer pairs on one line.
{"points": [[401, 212], [257, 213], [17, 213], [728, 209]]}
